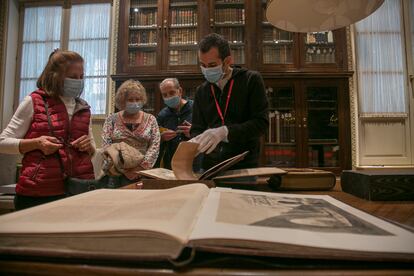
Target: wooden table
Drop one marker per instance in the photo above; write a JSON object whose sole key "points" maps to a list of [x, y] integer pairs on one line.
{"points": [[215, 264]]}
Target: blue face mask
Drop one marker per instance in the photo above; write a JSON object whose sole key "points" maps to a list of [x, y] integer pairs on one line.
{"points": [[72, 87], [213, 74], [133, 108], [173, 101]]}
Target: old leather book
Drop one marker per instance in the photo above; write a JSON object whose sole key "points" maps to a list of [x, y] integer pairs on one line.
{"points": [[159, 224]]}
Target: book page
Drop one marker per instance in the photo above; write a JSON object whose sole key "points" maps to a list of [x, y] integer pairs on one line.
{"points": [[171, 212], [222, 166], [182, 161], [301, 220], [159, 173], [251, 172]]}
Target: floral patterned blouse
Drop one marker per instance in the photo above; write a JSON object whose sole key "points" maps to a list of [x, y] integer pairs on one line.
{"points": [[145, 137]]}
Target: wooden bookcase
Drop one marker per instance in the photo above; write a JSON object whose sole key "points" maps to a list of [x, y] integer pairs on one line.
{"points": [[305, 75]]}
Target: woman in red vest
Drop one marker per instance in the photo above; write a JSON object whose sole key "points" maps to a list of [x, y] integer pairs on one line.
{"points": [[69, 137]]}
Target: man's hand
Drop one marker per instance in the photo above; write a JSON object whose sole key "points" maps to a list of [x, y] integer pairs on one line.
{"points": [[83, 143], [185, 128], [48, 144], [209, 139], [168, 135]]}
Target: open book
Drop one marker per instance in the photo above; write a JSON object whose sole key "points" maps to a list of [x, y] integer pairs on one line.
{"points": [[159, 224], [182, 167]]}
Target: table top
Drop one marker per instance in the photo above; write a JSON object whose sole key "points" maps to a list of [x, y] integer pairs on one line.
{"points": [[399, 212]]}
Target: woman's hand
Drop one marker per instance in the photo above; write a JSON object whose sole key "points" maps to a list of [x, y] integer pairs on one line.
{"points": [[83, 143], [48, 144]]}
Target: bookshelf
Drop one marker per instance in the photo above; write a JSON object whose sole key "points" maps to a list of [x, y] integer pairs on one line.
{"points": [[159, 39], [279, 50], [182, 33], [142, 43], [230, 21], [308, 123]]}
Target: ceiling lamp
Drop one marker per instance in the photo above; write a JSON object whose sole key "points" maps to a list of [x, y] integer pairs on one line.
{"points": [[318, 15]]}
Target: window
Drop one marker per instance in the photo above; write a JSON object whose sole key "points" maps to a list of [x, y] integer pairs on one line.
{"points": [[41, 34], [381, 62], [88, 34]]}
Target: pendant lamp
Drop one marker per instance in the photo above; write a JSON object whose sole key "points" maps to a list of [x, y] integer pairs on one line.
{"points": [[306, 16]]}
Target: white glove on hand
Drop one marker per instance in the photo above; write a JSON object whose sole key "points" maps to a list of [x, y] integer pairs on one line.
{"points": [[209, 139]]}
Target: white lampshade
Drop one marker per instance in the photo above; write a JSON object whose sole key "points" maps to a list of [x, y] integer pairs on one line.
{"points": [[318, 15]]}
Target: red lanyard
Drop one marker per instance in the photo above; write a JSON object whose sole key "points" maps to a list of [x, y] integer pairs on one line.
{"points": [[227, 102]]}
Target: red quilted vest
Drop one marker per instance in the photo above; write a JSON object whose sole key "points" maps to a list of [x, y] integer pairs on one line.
{"points": [[41, 175]]}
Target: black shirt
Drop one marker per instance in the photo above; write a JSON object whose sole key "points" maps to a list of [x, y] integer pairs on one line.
{"points": [[246, 117]]}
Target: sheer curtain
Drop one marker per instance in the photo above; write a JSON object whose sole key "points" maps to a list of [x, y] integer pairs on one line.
{"points": [[89, 36], [380, 62], [41, 35]]}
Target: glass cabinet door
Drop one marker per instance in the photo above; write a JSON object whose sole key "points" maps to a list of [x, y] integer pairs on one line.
{"points": [[277, 45], [143, 34], [182, 32], [321, 123], [280, 140], [319, 47], [229, 21]]}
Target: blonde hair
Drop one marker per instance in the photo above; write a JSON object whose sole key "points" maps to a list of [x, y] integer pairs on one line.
{"points": [[129, 86]]}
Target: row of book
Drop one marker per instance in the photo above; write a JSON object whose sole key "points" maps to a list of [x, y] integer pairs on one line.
{"points": [[230, 1], [143, 18], [229, 16], [138, 58], [281, 127], [183, 37], [183, 57], [233, 35], [183, 2], [280, 156], [278, 54], [139, 3], [319, 37], [183, 17], [320, 54], [144, 37], [238, 55], [274, 34], [329, 156]]}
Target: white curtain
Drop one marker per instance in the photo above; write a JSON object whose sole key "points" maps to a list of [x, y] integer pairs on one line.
{"points": [[89, 36], [380, 65], [41, 35]]}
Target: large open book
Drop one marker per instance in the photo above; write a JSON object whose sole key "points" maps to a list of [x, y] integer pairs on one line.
{"points": [[159, 224], [182, 167]]}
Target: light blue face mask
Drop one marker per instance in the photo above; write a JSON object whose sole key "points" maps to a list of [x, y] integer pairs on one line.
{"points": [[173, 101], [213, 74], [72, 87], [133, 108]]}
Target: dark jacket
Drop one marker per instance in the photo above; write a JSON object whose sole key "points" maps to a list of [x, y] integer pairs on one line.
{"points": [[171, 119], [246, 118]]}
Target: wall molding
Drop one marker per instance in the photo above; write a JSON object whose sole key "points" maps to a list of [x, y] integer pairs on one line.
{"points": [[3, 44]]}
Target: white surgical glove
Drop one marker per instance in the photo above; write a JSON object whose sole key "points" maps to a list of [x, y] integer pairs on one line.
{"points": [[209, 139]]}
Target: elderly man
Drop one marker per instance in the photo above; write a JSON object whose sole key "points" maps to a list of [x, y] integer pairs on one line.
{"points": [[174, 120]]}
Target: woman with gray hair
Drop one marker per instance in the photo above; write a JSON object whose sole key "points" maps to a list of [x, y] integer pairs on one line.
{"points": [[133, 126]]}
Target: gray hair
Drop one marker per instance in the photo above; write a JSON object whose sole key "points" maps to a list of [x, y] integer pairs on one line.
{"points": [[173, 80]]}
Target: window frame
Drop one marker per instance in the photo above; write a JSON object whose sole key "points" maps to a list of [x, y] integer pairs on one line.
{"points": [[64, 41], [407, 66]]}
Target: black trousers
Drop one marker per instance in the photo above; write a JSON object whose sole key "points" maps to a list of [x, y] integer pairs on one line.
{"points": [[22, 202]]}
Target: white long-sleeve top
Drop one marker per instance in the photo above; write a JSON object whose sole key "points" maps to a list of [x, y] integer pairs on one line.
{"points": [[21, 121]]}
